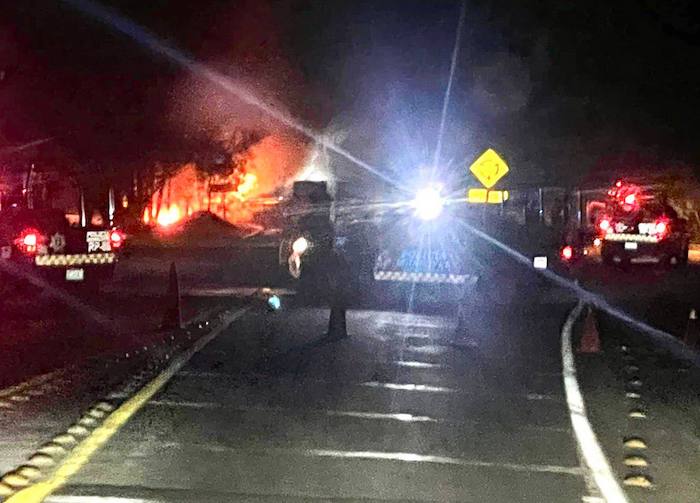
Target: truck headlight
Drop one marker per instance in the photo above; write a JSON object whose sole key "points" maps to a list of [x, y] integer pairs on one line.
{"points": [[300, 245], [428, 203]]}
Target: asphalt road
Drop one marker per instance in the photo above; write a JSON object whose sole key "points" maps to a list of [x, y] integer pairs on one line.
{"points": [[403, 409], [661, 297], [400, 410]]}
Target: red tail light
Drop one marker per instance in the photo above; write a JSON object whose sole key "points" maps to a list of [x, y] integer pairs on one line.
{"points": [[661, 228], [28, 241], [116, 238], [630, 199], [567, 253]]}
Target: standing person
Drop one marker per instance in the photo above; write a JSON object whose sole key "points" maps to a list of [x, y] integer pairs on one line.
{"points": [[314, 223]]}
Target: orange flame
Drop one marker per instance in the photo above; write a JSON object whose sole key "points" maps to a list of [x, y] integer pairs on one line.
{"points": [[186, 193], [189, 191], [248, 182], [169, 216]]}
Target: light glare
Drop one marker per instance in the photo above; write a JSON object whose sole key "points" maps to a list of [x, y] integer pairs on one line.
{"points": [[300, 245], [428, 203]]}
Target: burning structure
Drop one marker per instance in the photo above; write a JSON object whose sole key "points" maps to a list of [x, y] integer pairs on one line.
{"points": [[267, 166]]}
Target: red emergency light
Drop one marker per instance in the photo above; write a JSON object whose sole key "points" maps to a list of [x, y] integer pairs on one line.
{"points": [[28, 241], [661, 228], [116, 238], [567, 253]]}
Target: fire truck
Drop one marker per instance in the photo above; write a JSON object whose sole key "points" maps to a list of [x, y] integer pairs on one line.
{"points": [[638, 225]]}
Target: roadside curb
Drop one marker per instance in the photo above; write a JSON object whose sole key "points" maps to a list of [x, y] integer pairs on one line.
{"points": [[51, 452], [88, 431], [15, 395], [24, 391]]}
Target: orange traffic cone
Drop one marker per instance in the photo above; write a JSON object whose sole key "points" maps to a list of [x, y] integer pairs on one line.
{"points": [[590, 338], [692, 330]]}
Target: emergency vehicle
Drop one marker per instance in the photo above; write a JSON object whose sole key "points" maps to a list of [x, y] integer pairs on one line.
{"points": [[421, 254], [41, 242], [389, 251], [639, 226]]}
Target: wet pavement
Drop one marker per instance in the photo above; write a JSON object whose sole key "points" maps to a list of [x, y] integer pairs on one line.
{"points": [[403, 409], [400, 410], [33, 410]]}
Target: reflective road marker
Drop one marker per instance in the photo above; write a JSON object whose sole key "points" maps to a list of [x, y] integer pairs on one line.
{"points": [[82, 453]]}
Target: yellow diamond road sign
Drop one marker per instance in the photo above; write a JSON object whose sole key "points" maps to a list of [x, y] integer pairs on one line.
{"points": [[489, 168]]}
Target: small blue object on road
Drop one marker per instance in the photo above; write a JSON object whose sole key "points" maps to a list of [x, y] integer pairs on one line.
{"points": [[274, 302]]}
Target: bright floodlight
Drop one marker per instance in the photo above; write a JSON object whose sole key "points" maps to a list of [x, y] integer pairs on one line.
{"points": [[428, 203], [300, 245]]}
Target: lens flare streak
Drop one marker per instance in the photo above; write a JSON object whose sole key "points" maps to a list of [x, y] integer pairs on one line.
{"points": [[145, 38]]}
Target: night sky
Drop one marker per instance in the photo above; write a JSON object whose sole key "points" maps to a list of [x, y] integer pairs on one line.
{"points": [[560, 88]]}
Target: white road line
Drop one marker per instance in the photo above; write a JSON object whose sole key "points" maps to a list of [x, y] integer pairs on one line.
{"points": [[404, 327], [430, 349], [445, 460], [417, 335], [185, 404], [97, 499], [418, 365], [381, 416], [532, 396], [409, 387], [399, 416], [404, 457], [594, 460]]}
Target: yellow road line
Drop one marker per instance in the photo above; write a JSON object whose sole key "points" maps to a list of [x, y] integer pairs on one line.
{"points": [[80, 456], [35, 381]]}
